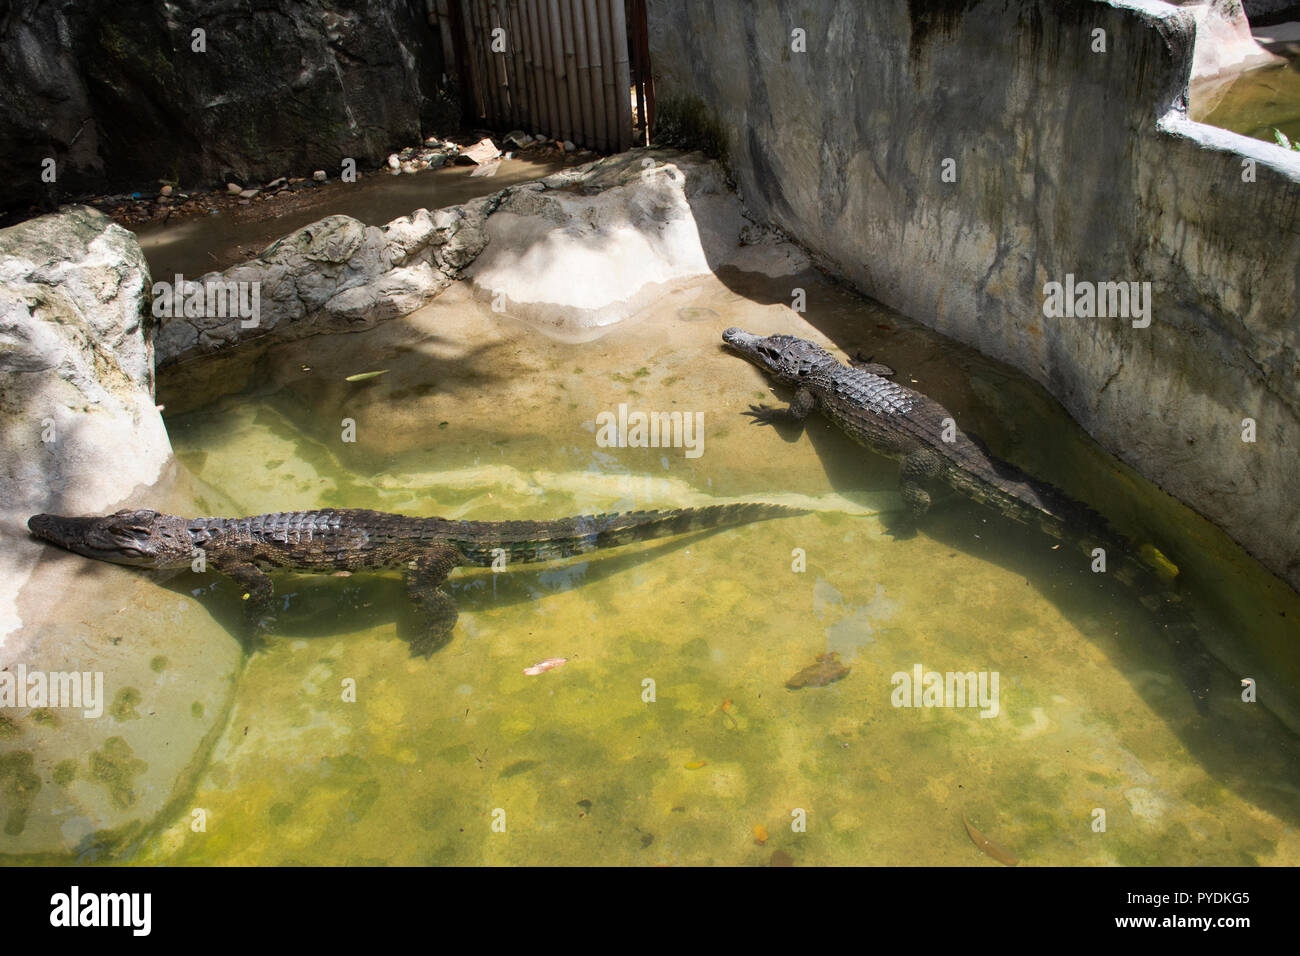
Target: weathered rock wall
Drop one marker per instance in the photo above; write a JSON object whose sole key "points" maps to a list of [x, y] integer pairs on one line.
{"points": [[116, 93], [1271, 10], [1068, 162], [628, 225], [80, 434], [1224, 45]]}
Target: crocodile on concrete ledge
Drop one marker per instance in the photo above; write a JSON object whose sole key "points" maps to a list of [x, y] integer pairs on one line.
{"points": [[899, 423], [358, 540]]}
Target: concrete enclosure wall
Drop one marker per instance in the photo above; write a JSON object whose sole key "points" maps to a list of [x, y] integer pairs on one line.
{"points": [[1071, 155]]}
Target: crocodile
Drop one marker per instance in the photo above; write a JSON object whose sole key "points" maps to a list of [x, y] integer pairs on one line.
{"points": [[349, 539], [903, 424]]}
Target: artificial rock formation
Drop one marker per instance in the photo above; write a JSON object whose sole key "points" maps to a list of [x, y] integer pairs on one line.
{"points": [[128, 93], [82, 435], [628, 225]]}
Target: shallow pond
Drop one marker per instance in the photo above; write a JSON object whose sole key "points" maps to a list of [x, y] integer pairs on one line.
{"points": [[670, 736], [1254, 103]]}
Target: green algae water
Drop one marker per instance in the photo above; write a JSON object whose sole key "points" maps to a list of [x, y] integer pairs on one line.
{"points": [[670, 736], [1253, 103]]}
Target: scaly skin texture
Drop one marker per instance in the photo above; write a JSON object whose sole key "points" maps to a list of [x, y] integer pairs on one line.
{"points": [[350, 539], [900, 423]]}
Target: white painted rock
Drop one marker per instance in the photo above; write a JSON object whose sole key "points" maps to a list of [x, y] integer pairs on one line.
{"points": [[630, 232], [83, 436], [481, 152]]}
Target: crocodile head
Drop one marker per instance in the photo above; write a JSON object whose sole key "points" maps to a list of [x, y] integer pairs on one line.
{"points": [[144, 539], [786, 358]]}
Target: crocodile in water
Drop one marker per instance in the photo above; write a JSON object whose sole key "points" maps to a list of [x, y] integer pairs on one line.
{"points": [[900, 423], [330, 541]]}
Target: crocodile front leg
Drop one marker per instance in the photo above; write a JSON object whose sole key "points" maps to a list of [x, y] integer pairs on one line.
{"points": [[871, 365], [259, 611], [918, 468], [795, 413], [436, 609]]}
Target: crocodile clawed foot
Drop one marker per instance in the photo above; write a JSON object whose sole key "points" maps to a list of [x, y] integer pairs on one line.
{"points": [[257, 632], [763, 414], [871, 365], [902, 528], [426, 645]]}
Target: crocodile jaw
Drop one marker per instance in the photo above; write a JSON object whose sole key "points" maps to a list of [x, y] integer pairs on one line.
{"points": [[121, 538]]}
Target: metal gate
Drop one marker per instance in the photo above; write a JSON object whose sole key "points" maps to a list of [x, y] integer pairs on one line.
{"points": [[576, 70]]}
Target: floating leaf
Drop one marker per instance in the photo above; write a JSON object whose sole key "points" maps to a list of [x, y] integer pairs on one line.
{"points": [[696, 764], [987, 846], [1166, 569], [362, 376]]}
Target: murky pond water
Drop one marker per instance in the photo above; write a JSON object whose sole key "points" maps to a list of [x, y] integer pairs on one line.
{"points": [[670, 736], [1254, 103]]}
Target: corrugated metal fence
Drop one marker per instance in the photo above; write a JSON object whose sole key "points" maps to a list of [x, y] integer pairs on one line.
{"points": [[575, 70]]}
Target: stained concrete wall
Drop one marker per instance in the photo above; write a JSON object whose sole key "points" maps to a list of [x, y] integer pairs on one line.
{"points": [[1068, 161]]}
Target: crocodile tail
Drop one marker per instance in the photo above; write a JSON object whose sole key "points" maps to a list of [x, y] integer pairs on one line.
{"points": [[482, 542], [1146, 573], [1150, 579], [1175, 620]]}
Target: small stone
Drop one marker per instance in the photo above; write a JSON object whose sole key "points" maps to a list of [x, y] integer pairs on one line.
{"points": [[319, 176], [249, 193], [165, 191], [234, 188], [276, 182], [569, 147], [481, 152], [410, 166], [432, 141], [393, 162]]}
